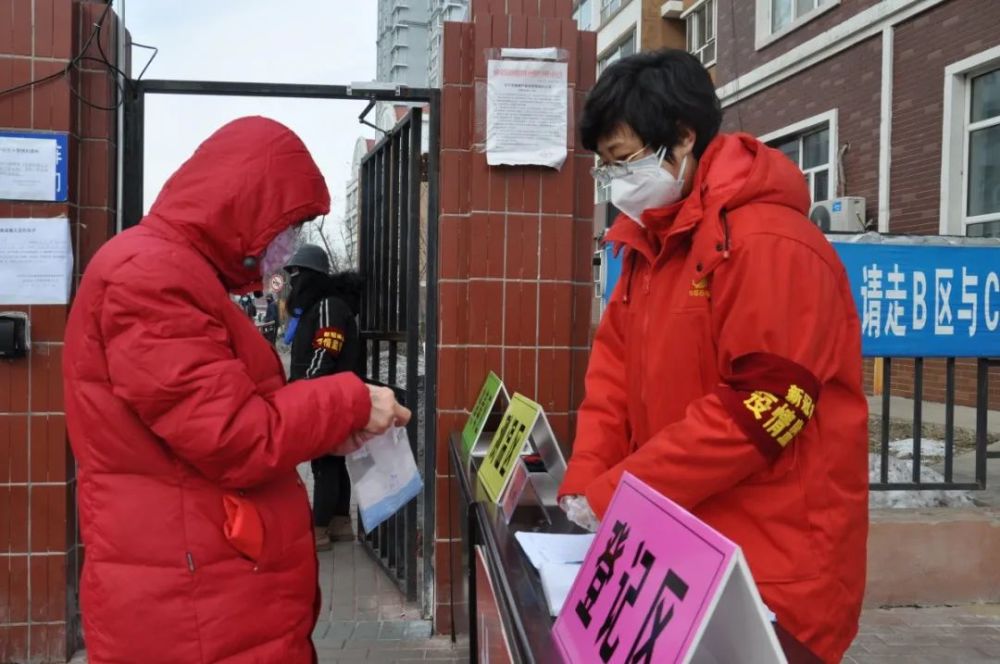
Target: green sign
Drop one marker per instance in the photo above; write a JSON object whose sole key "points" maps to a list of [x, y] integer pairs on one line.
{"points": [[508, 441], [480, 412]]}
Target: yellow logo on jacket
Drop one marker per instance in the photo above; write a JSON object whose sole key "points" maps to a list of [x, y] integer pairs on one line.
{"points": [[699, 288]]}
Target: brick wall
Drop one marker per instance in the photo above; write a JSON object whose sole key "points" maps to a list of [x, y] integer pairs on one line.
{"points": [[39, 556], [515, 252], [924, 46], [657, 32], [736, 29]]}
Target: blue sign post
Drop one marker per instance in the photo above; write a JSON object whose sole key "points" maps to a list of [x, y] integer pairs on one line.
{"points": [[61, 140]]}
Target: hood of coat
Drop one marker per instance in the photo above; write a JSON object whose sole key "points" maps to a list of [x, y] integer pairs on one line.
{"points": [[247, 182]]}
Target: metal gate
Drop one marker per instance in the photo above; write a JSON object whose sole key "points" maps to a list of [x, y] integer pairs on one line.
{"points": [[399, 317], [391, 261]]}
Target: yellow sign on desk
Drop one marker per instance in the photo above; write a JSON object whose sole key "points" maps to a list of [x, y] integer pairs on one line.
{"points": [[507, 444]]}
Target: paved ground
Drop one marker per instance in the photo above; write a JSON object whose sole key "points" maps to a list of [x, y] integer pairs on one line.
{"points": [[366, 619], [940, 635]]}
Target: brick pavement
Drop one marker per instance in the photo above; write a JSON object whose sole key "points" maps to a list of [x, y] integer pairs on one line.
{"points": [[939, 635], [366, 619]]}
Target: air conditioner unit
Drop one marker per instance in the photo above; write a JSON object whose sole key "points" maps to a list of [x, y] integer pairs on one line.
{"points": [[839, 215]]}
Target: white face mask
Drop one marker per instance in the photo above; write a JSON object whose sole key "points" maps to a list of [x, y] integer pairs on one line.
{"points": [[280, 251], [646, 185]]}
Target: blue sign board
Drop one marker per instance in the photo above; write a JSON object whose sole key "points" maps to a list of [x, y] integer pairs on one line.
{"points": [[62, 158], [915, 300], [925, 301]]}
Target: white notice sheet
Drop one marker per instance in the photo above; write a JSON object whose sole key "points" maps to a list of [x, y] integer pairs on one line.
{"points": [[527, 113], [36, 261]]}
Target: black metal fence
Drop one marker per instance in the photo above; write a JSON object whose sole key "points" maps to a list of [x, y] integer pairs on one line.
{"points": [[975, 480], [390, 253]]}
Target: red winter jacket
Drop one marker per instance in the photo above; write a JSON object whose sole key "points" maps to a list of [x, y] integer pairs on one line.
{"points": [[197, 529], [726, 373]]}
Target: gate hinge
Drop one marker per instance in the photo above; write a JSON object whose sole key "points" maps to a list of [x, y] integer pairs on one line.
{"points": [[423, 167]]}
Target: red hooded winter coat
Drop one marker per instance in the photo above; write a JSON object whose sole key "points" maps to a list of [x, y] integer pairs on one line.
{"points": [[182, 425], [726, 374]]}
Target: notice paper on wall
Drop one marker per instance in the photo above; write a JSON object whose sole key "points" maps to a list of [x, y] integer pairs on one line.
{"points": [[527, 113], [36, 261]]}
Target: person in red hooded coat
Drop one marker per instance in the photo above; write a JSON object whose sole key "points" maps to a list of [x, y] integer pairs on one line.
{"points": [[726, 371], [197, 529]]}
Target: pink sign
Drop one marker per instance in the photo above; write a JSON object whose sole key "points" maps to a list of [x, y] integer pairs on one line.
{"points": [[649, 583]]}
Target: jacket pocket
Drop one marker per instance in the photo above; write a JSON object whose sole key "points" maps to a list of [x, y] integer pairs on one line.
{"points": [[243, 528]]}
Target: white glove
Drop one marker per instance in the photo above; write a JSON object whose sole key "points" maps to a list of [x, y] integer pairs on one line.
{"points": [[578, 511]]}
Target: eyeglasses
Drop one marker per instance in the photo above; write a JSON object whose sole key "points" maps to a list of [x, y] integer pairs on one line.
{"points": [[605, 173]]}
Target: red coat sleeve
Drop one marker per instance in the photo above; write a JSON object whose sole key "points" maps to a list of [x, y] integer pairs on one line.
{"points": [[777, 313], [603, 415], [170, 360]]}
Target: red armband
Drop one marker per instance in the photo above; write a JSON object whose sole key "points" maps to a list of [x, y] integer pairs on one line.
{"points": [[770, 398]]}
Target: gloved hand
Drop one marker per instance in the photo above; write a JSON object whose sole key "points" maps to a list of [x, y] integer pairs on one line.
{"points": [[578, 511]]}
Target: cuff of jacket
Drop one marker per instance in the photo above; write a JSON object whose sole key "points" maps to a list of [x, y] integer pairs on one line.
{"points": [[600, 491], [358, 398]]}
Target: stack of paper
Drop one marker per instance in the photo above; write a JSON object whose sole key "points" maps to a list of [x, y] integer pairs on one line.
{"points": [[557, 580], [544, 548], [557, 558]]}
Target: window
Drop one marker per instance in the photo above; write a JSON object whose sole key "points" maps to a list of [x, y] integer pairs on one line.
{"points": [[776, 18], [584, 14], [970, 147], [622, 49], [701, 24], [982, 140], [812, 146], [609, 7], [786, 12]]}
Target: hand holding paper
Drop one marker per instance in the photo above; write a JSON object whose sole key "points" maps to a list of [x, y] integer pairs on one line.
{"points": [[386, 411]]}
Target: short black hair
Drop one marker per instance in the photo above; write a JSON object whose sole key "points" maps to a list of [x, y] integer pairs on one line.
{"points": [[655, 93]]}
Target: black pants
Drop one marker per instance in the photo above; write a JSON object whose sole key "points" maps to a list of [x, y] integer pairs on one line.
{"points": [[331, 490]]}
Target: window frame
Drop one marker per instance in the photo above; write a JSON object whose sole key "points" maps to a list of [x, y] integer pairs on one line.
{"points": [[695, 12], [955, 133], [807, 126], [765, 35]]}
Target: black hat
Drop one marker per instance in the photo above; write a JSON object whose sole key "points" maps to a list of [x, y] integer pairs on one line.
{"points": [[311, 257]]}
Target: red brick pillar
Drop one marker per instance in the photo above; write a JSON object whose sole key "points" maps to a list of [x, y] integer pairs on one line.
{"points": [[39, 556], [515, 254]]}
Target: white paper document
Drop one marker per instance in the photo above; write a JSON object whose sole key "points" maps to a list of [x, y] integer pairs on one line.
{"points": [[527, 111], [36, 261], [557, 580], [28, 168], [549, 548]]}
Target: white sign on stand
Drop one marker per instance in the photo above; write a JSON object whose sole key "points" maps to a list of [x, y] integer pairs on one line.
{"points": [[527, 113], [36, 261]]}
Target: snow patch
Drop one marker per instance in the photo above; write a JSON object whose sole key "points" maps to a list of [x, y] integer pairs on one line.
{"points": [[929, 449], [901, 470]]}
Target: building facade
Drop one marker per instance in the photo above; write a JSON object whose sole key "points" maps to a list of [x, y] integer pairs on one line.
{"points": [[441, 11], [402, 44]]}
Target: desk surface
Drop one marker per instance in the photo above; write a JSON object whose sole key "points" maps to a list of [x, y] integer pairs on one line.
{"points": [[519, 589]]}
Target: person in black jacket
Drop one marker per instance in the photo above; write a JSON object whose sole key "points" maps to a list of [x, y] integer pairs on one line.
{"points": [[323, 334]]}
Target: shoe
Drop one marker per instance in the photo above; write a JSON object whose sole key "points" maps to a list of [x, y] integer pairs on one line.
{"points": [[323, 542], [341, 529]]}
